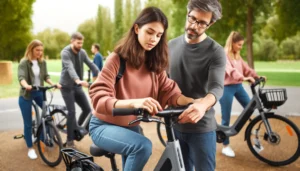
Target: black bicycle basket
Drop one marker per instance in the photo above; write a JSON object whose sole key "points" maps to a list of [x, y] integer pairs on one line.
{"points": [[78, 161], [271, 98]]}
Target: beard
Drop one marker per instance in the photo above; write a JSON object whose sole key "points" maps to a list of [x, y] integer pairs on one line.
{"points": [[76, 49], [193, 36]]}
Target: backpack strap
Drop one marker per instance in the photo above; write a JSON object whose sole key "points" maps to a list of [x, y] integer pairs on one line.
{"points": [[121, 69]]}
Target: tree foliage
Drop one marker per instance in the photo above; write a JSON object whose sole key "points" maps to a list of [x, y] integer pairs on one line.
{"points": [[15, 28], [118, 23], [104, 31], [288, 23], [88, 30], [54, 41]]}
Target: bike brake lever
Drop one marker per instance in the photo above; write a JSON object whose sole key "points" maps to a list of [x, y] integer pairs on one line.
{"points": [[146, 119]]}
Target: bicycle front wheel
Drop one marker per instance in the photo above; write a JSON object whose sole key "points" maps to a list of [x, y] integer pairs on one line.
{"points": [[49, 145], [282, 148], [161, 132]]}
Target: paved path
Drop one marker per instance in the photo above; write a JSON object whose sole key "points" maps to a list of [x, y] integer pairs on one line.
{"points": [[11, 119]]}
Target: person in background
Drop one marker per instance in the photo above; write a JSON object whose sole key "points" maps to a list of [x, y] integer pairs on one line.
{"points": [[197, 64], [144, 85], [73, 57], [32, 71], [237, 71], [98, 59]]}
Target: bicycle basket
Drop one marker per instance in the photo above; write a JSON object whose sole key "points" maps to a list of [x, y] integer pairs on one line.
{"points": [[77, 161], [271, 98]]}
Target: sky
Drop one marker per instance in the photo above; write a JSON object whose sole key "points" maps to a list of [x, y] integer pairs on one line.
{"points": [[65, 15]]}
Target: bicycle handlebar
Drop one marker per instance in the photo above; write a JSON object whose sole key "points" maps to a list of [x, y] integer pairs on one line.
{"points": [[258, 81], [169, 112], [43, 88]]}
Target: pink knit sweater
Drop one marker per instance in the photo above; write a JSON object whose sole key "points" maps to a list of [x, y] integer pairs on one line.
{"points": [[236, 70], [135, 83]]}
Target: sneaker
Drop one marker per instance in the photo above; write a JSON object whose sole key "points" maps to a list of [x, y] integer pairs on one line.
{"points": [[70, 144], [32, 154], [227, 151]]}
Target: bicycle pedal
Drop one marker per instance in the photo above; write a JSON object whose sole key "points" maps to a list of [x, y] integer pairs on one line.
{"points": [[258, 148], [19, 136]]}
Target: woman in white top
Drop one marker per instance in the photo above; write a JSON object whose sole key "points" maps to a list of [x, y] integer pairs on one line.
{"points": [[32, 70]]}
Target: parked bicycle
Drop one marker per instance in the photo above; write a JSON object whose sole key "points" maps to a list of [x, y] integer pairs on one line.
{"points": [[44, 132], [272, 138], [170, 160]]}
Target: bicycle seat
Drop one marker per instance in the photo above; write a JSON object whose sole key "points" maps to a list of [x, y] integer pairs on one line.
{"points": [[96, 151]]}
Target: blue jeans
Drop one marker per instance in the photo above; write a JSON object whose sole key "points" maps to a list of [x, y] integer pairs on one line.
{"points": [[198, 149], [26, 110], [230, 91], [134, 147]]}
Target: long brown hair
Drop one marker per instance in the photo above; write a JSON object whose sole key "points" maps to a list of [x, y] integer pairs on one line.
{"points": [[234, 37], [130, 49], [29, 50]]}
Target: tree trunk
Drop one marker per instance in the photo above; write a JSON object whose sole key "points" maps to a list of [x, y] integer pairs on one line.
{"points": [[250, 36]]}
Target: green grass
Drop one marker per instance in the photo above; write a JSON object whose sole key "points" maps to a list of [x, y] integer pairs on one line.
{"points": [[279, 78], [278, 65], [282, 78]]}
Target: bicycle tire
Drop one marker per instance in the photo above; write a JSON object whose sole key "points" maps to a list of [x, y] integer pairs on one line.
{"points": [[60, 119], [264, 149], [52, 144], [161, 132], [34, 122]]}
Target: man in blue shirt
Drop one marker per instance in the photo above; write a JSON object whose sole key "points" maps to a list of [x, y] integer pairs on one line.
{"points": [[98, 59]]}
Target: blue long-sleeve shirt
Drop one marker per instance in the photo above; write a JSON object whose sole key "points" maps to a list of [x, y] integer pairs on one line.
{"points": [[98, 60]]}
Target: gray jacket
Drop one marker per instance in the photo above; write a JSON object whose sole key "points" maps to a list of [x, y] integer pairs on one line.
{"points": [[68, 74]]}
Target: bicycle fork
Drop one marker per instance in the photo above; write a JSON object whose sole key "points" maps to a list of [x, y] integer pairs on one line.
{"points": [[267, 125]]}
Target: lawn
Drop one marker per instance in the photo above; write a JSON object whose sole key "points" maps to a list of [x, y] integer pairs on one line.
{"points": [[281, 73]]}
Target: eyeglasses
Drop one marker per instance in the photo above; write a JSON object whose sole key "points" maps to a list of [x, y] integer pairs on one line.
{"points": [[193, 20]]}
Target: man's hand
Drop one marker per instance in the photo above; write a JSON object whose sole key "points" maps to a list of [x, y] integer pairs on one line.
{"points": [[193, 113], [83, 83]]}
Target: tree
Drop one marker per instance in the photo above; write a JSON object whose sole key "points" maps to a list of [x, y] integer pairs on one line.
{"points": [[127, 15], [118, 24], [288, 23], [104, 30], [246, 16], [88, 30], [54, 41], [16, 24]]}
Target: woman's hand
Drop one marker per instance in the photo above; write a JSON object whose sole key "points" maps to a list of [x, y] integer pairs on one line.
{"points": [[58, 85], [250, 79], [28, 87], [264, 77], [150, 104]]}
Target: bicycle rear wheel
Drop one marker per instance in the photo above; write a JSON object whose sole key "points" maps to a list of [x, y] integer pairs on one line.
{"points": [[284, 146], [49, 145], [60, 120], [161, 132]]}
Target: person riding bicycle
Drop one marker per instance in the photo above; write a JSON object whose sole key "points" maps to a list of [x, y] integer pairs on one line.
{"points": [[32, 71], [144, 85], [73, 57], [237, 71]]}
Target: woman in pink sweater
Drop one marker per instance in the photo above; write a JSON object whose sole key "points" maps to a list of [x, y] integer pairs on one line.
{"points": [[144, 85], [236, 72]]}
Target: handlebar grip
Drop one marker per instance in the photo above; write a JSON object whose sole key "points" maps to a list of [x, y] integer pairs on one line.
{"points": [[126, 111], [258, 81]]}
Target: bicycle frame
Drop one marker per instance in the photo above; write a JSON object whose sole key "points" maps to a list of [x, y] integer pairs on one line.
{"points": [[254, 103], [172, 156]]}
